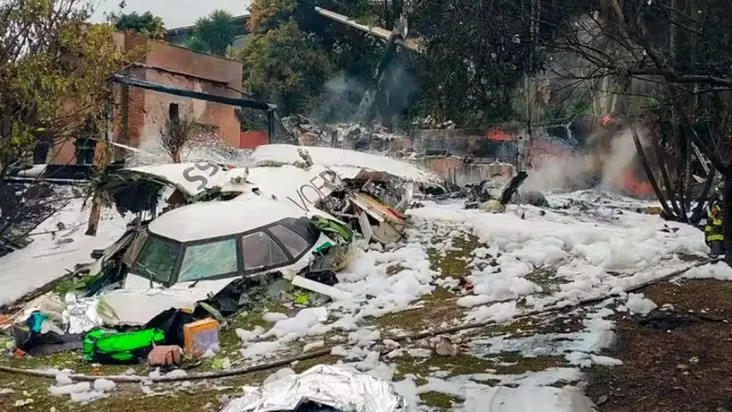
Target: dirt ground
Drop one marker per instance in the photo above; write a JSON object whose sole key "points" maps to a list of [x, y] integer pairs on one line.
{"points": [[688, 368]]}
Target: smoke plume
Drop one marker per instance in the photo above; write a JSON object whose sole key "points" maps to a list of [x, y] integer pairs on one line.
{"points": [[608, 161]]}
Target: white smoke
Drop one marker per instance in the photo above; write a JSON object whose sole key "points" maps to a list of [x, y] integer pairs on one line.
{"points": [[557, 174], [622, 155], [595, 165]]}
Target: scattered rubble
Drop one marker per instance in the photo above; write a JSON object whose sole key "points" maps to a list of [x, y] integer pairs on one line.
{"points": [[354, 136], [290, 216]]}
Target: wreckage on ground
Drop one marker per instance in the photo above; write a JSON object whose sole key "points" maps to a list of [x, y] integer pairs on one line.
{"points": [[210, 240], [207, 235], [341, 183], [292, 213]]}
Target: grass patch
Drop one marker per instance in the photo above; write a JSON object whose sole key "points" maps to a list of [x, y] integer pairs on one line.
{"points": [[519, 325], [507, 363], [438, 400], [546, 277], [67, 360], [249, 320], [521, 364], [462, 364], [393, 270], [439, 295], [304, 365], [455, 262], [435, 311]]}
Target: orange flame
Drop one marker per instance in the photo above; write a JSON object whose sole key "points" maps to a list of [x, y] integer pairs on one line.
{"points": [[634, 186]]}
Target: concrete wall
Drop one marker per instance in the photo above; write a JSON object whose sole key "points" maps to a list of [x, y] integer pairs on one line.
{"points": [[193, 71], [203, 65], [462, 145], [457, 142], [455, 170]]}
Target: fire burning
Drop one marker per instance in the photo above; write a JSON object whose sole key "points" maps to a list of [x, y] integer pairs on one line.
{"points": [[633, 186]]}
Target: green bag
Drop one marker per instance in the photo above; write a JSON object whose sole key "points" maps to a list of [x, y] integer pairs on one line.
{"points": [[110, 347]]}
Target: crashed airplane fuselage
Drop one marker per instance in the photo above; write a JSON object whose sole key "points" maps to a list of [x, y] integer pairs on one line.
{"points": [[194, 252], [290, 213]]}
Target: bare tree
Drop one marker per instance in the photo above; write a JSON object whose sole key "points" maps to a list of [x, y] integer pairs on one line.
{"points": [[672, 59], [177, 133]]}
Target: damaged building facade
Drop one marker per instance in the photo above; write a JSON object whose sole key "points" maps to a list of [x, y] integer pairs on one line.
{"points": [[140, 114]]}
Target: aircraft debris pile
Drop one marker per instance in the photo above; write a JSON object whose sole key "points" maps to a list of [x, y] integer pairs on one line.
{"points": [[429, 122], [210, 240], [343, 135]]}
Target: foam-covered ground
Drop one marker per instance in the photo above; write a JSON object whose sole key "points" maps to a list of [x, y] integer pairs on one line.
{"points": [[590, 245]]}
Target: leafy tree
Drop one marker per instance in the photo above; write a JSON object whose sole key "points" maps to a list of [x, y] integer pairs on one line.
{"points": [[214, 33], [195, 43], [478, 54], [285, 66], [146, 24], [54, 68], [339, 50]]}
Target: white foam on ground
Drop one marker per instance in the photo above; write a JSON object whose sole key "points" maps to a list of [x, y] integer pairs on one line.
{"points": [[44, 260], [639, 304]]}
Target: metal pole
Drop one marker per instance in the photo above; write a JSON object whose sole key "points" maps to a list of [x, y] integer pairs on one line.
{"points": [[270, 126]]}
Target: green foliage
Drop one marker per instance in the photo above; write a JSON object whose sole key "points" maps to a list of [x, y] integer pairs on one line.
{"points": [[53, 91], [214, 33], [195, 43], [285, 66], [270, 14], [294, 51], [473, 67], [580, 108], [145, 24]]}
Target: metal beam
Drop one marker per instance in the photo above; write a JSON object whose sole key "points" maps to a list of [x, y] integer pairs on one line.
{"points": [[252, 104], [410, 44]]}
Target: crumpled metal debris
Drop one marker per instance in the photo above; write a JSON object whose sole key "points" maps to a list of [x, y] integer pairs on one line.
{"points": [[333, 386], [81, 314], [307, 132]]}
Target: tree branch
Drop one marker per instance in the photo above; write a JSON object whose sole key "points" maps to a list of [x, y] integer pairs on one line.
{"points": [[649, 174]]}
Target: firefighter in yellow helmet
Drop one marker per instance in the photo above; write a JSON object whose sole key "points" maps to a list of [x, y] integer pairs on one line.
{"points": [[713, 234]]}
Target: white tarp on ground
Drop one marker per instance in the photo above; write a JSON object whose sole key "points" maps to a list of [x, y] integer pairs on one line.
{"points": [[344, 161]]}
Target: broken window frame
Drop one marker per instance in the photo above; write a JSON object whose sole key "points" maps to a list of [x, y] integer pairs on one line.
{"points": [[264, 236], [140, 270], [188, 248], [298, 226], [286, 237]]}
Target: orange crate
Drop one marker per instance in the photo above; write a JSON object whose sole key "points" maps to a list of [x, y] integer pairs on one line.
{"points": [[199, 336]]}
